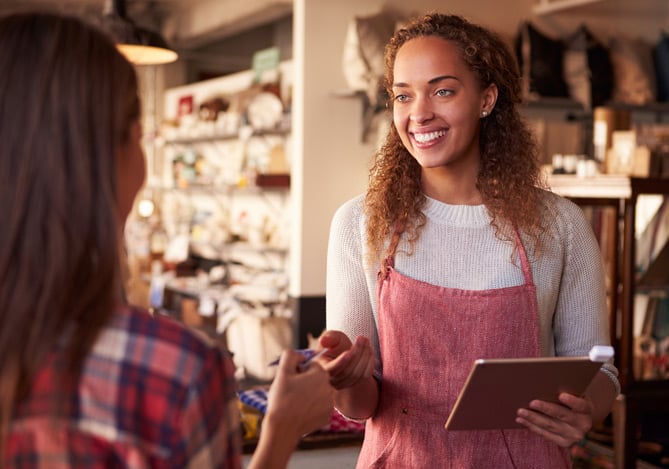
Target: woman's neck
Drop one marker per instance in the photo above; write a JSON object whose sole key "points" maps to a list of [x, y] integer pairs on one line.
{"points": [[450, 188]]}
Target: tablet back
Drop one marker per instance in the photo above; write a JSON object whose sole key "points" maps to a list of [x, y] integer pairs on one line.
{"points": [[497, 388]]}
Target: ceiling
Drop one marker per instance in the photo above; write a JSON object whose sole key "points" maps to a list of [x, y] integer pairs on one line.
{"points": [[186, 24]]}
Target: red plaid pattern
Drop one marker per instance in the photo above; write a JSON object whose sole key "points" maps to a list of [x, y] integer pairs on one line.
{"points": [[152, 394]]}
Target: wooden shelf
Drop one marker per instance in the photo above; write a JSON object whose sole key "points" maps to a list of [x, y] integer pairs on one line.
{"points": [[212, 138], [545, 7], [603, 186]]}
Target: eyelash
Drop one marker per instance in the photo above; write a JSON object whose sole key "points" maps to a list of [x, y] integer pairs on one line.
{"points": [[440, 92]]}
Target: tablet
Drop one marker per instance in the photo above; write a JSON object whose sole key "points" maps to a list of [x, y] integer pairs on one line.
{"points": [[496, 388]]}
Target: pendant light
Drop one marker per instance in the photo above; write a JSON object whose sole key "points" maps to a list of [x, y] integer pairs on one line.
{"points": [[139, 45]]}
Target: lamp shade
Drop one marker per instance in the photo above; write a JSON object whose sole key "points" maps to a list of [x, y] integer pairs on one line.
{"points": [[139, 45]]}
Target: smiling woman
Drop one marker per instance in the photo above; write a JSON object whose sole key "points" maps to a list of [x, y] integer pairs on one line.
{"points": [[457, 249], [437, 103]]}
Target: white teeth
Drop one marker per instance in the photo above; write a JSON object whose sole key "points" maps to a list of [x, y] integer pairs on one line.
{"points": [[423, 138]]}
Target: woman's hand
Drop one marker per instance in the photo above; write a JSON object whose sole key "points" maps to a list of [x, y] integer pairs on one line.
{"points": [[568, 422], [347, 363], [351, 366], [565, 423], [299, 401]]}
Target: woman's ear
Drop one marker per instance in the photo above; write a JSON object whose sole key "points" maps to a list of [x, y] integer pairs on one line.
{"points": [[489, 99]]}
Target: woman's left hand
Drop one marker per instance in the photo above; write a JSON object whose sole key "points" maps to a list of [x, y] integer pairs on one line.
{"points": [[565, 423]]}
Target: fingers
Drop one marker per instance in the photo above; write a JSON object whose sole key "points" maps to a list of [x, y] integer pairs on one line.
{"points": [[288, 361], [299, 402], [335, 341], [564, 424], [353, 365], [577, 404]]}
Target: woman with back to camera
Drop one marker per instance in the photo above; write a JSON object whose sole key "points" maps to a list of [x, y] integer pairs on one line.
{"points": [[455, 253], [87, 381]]}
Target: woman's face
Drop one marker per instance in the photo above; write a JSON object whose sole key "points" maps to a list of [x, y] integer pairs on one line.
{"points": [[437, 103], [130, 171]]}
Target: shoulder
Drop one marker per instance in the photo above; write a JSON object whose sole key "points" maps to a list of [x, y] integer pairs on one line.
{"points": [[175, 383], [562, 211], [566, 221], [351, 209], [556, 202], [157, 344], [349, 216]]}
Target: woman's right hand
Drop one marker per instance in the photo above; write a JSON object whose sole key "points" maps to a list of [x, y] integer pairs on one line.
{"points": [[299, 400], [348, 363]]}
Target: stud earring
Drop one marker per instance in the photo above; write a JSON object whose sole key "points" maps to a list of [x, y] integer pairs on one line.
{"points": [[484, 114]]}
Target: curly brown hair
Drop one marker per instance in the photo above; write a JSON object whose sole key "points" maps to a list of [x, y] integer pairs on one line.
{"points": [[509, 174]]}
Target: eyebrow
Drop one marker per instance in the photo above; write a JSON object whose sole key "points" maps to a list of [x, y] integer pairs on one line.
{"points": [[430, 82]]}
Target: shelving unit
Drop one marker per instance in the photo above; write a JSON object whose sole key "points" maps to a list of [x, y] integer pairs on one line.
{"points": [[221, 137], [545, 7], [221, 179], [638, 396]]}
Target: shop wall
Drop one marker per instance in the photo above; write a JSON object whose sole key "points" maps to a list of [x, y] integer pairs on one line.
{"points": [[331, 160]]}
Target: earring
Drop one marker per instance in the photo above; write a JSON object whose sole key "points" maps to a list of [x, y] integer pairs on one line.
{"points": [[484, 114]]}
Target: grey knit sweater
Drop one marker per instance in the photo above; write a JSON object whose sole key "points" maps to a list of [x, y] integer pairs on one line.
{"points": [[457, 248]]}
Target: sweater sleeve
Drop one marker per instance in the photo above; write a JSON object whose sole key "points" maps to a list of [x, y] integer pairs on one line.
{"points": [[349, 289], [581, 315]]}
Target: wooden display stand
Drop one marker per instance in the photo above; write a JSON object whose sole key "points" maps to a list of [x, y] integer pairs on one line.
{"points": [[638, 396]]}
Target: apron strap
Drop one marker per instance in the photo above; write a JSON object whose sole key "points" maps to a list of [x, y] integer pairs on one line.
{"points": [[524, 262], [388, 261]]}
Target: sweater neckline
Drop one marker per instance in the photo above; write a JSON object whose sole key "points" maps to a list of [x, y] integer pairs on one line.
{"points": [[459, 215]]}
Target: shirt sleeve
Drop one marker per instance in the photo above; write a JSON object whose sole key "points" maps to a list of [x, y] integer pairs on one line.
{"points": [[349, 285]]}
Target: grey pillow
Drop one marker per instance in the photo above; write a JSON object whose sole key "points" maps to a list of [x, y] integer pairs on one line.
{"points": [[633, 70], [364, 46]]}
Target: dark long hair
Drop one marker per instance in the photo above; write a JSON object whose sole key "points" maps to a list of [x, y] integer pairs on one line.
{"points": [[509, 173], [67, 99]]}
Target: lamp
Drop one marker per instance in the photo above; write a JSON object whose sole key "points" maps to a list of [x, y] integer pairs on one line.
{"points": [[139, 45]]}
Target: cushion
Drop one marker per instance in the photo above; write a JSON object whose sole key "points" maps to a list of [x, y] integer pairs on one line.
{"points": [[588, 70], [633, 70], [364, 46], [541, 63]]}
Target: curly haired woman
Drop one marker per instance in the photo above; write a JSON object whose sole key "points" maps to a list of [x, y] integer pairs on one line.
{"points": [[458, 252]]}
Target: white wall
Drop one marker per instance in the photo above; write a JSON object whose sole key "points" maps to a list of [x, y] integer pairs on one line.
{"points": [[330, 160]]}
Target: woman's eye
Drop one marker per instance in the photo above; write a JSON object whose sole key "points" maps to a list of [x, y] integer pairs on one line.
{"points": [[444, 92], [401, 98]]}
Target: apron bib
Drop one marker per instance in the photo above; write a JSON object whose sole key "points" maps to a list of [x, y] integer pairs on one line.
{"points": [[429, 338]]}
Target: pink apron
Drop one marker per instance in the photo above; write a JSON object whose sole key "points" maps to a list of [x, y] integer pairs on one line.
{"points": [[429, 337]]}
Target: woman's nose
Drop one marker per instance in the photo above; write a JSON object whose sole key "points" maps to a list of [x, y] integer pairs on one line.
{"points": [[420, 111]]}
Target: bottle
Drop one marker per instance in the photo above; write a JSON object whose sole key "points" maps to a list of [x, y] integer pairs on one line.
{"points": [[157, 288], [158, 241], [558, 163]]}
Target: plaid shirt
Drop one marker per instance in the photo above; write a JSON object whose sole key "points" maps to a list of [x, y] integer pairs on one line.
{"points": [[152, 394]]}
